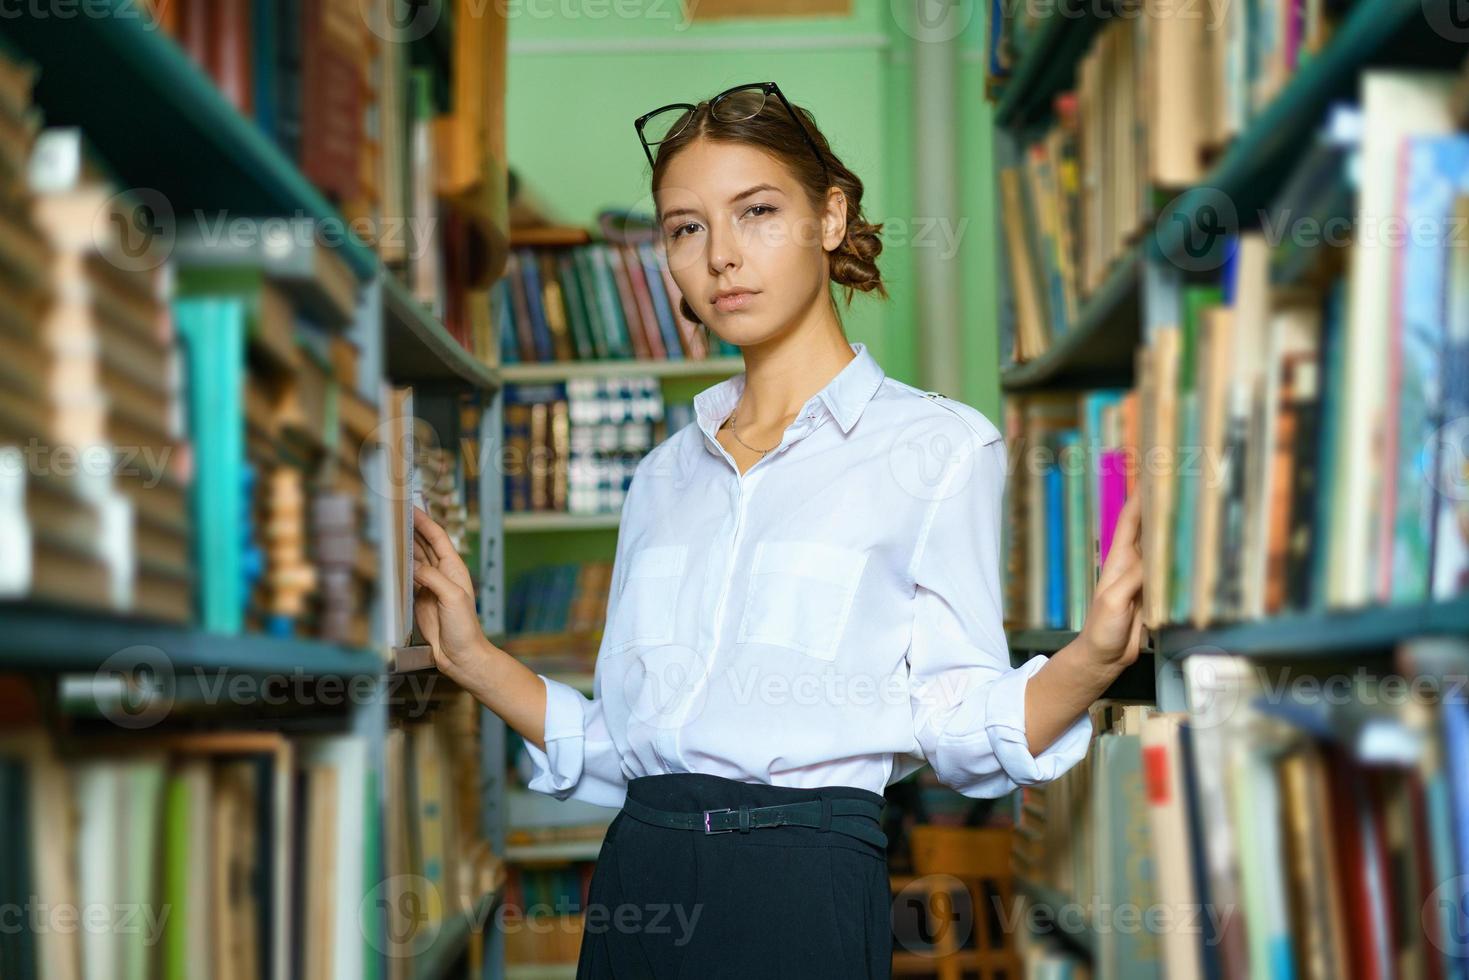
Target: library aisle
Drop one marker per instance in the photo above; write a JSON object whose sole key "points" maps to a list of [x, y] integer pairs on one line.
{"points": [[273, 273]]}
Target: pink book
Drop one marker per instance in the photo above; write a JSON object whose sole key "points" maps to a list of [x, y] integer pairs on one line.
{"points": [[1111, 494]]}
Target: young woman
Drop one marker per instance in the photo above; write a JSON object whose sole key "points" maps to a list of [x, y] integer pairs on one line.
{"points": [[805, 602]]}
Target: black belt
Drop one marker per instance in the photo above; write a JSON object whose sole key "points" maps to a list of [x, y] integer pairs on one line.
{"points": [[856, 818]]}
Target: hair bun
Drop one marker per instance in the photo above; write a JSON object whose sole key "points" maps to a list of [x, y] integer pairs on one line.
{"points": [[854, 261]]}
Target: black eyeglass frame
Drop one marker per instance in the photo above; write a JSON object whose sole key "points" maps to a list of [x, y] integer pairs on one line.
{"points": [[766, 87]]}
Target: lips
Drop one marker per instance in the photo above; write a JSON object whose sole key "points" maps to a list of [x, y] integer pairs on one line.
{"points": [[729, 302]]}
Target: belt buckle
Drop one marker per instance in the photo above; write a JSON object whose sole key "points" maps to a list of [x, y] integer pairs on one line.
{"points": [[706, 822]]}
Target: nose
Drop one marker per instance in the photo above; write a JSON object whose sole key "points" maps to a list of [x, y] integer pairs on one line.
{"points": [[724, 248]]}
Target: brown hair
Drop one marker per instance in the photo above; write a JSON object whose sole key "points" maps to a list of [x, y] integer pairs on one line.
{"points": [[853, 263]]}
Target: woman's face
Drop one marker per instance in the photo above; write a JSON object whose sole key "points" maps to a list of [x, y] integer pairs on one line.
{"points": [[732, 218]]}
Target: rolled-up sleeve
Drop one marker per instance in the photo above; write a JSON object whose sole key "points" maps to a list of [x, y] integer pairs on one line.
{"points": [[968, 702], [580, 760]]}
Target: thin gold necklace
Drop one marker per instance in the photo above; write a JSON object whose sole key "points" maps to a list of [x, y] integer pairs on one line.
{"points": [[736, 433]]}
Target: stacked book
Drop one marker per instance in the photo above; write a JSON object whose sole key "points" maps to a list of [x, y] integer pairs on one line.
{"points": [[285, 424], [573, 446], [97, 469]]}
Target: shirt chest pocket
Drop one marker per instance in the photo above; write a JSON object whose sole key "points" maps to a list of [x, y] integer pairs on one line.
{"points": [[644, 615], [801, 595]]}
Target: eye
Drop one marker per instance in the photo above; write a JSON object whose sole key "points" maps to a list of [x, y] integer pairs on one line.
{"points": [[678, 232], [761, 207]]}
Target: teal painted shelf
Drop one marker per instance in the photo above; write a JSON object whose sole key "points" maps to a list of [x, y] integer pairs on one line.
{"points": [[1258, 163], [1098, 350], [1047, 67], [1365, 630], [1243, 182], [419, 349], [49, 638], [162, 124]]}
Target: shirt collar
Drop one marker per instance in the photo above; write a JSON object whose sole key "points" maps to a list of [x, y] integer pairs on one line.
{"points": [[844, 397]]}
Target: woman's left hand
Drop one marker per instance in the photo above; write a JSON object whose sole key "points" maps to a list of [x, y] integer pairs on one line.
{"points": [[1113, 630]]}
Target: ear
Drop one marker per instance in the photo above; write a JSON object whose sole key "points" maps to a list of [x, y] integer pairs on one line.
{"points": [[834, 219]]}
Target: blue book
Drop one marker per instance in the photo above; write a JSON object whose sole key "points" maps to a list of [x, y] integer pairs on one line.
{"points": [[1055, 549], [1437, 171], [662, 306], [530, 272]]}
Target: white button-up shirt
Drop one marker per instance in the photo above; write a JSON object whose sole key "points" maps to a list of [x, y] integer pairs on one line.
{"points": [[831, 617]]}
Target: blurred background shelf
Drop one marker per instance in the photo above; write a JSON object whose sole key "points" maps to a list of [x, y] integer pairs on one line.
{"points": [[557, 851], [439, 958], [1048, 65], [564, 370], [1372, 628], [191, 146], [1083, 940], [1257, 164], [418, 348], [540, 971], [29, 641], [1097, 350], [548, 521]]}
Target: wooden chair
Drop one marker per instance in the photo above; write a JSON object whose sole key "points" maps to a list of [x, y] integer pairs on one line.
{"points": [[979, 857]]}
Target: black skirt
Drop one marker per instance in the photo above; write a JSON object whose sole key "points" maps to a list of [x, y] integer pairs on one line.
{"points": [[777, 902]]}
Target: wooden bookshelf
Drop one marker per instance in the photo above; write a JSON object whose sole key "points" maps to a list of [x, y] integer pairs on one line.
{"points": [[566, 370], [554, 852], [538, 521], [540, 971], [549, 236]]}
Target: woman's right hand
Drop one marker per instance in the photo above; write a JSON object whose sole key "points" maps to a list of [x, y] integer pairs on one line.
{"points": [[443, 604]]}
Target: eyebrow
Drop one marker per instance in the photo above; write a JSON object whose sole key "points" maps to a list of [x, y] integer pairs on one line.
{"points": [[758, 188]]}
